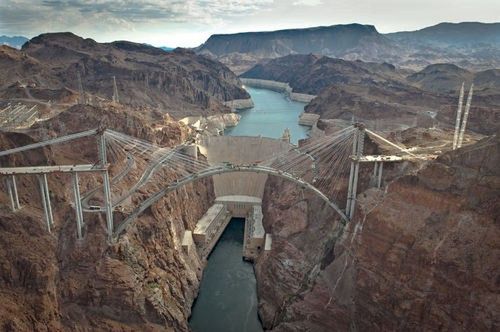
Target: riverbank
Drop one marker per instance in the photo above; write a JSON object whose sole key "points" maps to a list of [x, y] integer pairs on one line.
{"points": [[270, 116], [228, 285], [278, 87]]}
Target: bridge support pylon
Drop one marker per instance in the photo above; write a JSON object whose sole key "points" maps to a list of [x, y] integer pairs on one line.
{"points": [[45, 194], [378, 167], [357, 151], [13, 195], [106, 184], [78, 206]]}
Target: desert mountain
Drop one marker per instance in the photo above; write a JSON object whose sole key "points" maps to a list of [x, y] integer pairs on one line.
{"points": [[241, 50], [463, 34], [312, 73], [373, 91], [16, 41], [180, 82], [471, 45], [447, 78]]}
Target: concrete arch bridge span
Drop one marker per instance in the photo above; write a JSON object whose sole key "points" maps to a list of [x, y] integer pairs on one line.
{"points": [[224, 170]]}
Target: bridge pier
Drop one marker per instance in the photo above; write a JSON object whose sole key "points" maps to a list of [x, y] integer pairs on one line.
{"points": [[380, 169], [13, 195], [78, 206], [377, 174], [106, 184], [357, 149], [47, 208], [351, 176]]}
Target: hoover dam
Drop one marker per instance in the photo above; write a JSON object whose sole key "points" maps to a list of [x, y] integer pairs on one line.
{"points": [[144, 189], [241, 194]]}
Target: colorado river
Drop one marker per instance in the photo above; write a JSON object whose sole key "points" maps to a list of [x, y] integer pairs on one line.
{"points": [[227, 300], [270, 116], [228, 297]]}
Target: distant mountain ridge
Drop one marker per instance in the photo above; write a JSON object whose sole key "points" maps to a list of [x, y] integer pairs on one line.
{"points": [[16, 41], [309, 40], [382, 91], [452, 34], [471, 45], [351, 41]]}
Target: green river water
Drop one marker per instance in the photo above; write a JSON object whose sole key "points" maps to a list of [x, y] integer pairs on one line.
{"points": [[227, 301]]}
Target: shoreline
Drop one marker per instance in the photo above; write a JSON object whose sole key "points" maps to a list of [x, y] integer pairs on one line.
{"points": [[278, 87]]}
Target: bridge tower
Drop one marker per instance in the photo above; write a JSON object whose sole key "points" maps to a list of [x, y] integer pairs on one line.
{"points": [[357, 152], [108, 207], [13, 195]]}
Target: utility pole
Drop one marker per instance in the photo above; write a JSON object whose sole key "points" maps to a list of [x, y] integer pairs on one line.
{"points": [[466, 116]]}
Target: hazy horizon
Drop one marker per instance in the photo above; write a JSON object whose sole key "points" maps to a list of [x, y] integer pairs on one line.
{"points": [[189, 23]]}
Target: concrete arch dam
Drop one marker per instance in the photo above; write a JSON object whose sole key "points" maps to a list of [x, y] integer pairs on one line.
{"points": [[240, 150], [238, 194]]}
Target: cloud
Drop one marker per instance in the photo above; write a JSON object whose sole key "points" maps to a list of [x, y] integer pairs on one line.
{"points": [[310, 3], [33, 17]]}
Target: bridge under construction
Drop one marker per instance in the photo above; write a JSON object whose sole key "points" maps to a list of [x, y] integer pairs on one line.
{"points": [[239, 167]]}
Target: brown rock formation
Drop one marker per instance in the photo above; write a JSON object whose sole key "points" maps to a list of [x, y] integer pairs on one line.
{"points": [[179, 82], [54, 282], [421, 255]]}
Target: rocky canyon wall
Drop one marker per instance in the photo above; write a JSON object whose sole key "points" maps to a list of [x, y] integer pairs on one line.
{"points": [[422, 254], [54, 282]]}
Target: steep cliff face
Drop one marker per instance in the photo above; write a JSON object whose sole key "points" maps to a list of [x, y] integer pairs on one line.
{"points": [[55, 282], [312, 73], [179, 82], [351, 41], [421, 254], [472, 45]]}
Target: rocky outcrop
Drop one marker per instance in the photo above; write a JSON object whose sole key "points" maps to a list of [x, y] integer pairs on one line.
{"points": [[180, 83], [54, 282], [311, 73], [420, 254]]}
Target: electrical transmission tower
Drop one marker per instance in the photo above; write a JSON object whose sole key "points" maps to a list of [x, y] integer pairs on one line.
{"points": [[115, 91], [81, 98], [461, 123]]}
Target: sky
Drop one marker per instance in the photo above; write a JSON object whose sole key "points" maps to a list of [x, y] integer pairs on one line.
{"points": [[189, 23]]}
